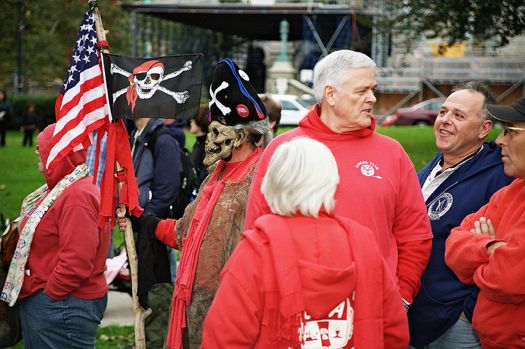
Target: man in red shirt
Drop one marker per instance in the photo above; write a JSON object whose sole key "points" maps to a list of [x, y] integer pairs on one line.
{"points": [[379, 188]]}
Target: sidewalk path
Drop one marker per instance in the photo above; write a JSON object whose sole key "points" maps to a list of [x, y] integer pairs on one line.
{"points": [[119, 310]]}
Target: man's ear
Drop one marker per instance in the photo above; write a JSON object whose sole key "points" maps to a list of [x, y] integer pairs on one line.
{"points": [[329, 95], [486, 126]]}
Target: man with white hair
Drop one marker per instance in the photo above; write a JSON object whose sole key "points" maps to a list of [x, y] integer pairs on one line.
{"points": [[379, 188]]}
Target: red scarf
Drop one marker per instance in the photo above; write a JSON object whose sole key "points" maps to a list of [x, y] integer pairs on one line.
{"points": [[118, 150], [190, 251]]}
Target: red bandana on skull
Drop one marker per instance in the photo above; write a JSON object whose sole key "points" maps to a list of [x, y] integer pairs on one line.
{"points": [[148, 74]]}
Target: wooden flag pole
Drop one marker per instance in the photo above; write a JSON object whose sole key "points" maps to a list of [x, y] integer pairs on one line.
{"points": [[140, 313]]}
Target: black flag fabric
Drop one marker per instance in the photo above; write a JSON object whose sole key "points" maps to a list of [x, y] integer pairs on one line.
{"points": [[160, 87]]}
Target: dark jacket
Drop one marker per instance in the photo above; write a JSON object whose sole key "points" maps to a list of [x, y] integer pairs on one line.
{"points": [[157, 171], [442, 296], [29, 120], [197, 156], [177, 127]]}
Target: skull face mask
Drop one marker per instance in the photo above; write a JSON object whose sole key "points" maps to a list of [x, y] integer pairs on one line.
{"points": [[221, 141]]}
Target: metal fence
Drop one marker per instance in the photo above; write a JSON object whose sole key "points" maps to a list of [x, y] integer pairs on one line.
{"points": [[504, 69], [499, 69]]}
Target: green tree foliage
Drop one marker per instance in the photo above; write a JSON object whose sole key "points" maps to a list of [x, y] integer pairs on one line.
{"points": [[49, 33], [457, 20]]}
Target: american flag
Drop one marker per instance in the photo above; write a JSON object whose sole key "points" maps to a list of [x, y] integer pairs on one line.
{"points": [[81, 105]]}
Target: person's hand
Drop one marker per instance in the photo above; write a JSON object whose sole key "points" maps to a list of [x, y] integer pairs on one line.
{"points": [[122, 221], [484, 226]]}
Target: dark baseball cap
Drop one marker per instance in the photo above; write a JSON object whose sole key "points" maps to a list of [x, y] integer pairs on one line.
{"points": [[512, 113]]}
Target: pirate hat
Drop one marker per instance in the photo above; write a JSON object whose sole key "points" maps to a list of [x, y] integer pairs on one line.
{"points": [[233, 99]]}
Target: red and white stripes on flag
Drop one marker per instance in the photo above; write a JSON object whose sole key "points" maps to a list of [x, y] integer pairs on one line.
{"points": [[81, 106]]}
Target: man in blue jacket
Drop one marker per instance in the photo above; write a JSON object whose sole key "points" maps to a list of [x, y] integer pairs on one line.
{"points": [[459, 180], [157, 166]]}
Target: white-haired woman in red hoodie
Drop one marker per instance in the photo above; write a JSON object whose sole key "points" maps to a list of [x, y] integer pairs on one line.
{"points": [[304, 278]]}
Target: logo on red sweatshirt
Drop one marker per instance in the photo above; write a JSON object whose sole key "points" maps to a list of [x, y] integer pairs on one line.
{"points": [[335, 331], [368, 169]]}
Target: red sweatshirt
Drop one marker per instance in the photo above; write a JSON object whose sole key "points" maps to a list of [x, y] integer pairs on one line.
{"points": [[68, 252], [378, 189], [499, 315], [311, 283]]}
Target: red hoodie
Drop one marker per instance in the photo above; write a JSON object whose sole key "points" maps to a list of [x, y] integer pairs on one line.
{"points": [[378, 189], [322, 278], [499, 315], [68, 252]]}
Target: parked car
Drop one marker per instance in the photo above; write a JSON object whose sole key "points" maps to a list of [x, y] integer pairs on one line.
{"points": [[308, 101], [421, 114], [294, 108]]}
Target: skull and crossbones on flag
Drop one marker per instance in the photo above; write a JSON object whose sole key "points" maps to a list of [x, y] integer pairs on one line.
{"points": [[163, 87]]}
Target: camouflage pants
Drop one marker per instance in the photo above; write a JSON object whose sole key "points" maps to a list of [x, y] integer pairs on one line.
{"points": [[156, 325]]}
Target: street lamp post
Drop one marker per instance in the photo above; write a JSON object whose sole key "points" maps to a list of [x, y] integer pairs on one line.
{"points": [[19, 39]]}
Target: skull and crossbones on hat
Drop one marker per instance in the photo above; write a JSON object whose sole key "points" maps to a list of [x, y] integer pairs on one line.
{"points": [[234, 105]]}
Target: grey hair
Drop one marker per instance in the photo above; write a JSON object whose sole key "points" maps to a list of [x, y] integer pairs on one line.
{"points": [[331, 70], [302, 177], [258, 133], [478, 86]]}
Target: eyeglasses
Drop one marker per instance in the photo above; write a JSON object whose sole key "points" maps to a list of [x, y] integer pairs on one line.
{"points": [[511, 128]]}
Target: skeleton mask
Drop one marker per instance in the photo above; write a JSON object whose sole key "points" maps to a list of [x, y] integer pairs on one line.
{"points": [[221, 141], [147, 82]]}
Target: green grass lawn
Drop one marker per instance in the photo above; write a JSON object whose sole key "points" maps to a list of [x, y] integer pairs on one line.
{"points": [[418, 142], [19, 174], [110, 337]]}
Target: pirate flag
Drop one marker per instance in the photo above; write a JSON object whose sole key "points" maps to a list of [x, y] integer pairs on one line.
{"points": [[161, 87]]}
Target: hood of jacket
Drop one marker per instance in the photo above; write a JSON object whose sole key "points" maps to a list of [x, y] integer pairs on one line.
{"points": [[150, 128], [65, 166], [312, 123], [323, 287], [303, 285]]}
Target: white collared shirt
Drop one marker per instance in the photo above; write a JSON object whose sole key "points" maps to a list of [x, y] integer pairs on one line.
{"points": [[437, 177]]}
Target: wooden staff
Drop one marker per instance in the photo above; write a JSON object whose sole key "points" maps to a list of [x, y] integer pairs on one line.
{"points": [[140, 313]]}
